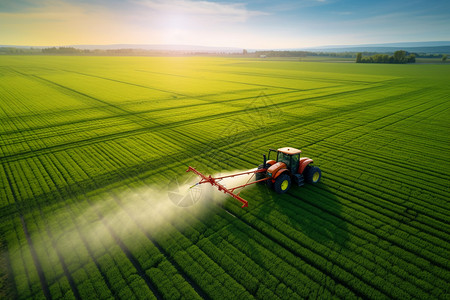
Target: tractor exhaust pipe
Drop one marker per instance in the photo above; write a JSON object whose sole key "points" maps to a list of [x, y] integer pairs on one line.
{"points": [[264, 165]]}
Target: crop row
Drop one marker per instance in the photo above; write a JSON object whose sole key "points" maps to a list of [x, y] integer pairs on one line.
{"points": [[351, 246], [363, 235]]}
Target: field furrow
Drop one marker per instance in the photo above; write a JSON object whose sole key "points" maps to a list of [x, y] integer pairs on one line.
{"points": [[93, 154]]}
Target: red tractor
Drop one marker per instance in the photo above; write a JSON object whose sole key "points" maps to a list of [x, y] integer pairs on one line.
{"points": [[278, 174], [287, 168]]}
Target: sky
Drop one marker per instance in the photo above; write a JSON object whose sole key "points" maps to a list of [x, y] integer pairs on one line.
{"points": [[252, 24]]}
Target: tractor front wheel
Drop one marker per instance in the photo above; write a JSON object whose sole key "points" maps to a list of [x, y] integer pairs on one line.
{"points": [[312, 174], [282, 183]]}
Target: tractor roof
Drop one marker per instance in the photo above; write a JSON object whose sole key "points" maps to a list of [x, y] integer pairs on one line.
{"points": [[289, 150]]}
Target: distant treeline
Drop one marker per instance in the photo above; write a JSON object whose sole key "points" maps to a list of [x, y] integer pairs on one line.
{"points": [[97, 52], [303, 54], [75, 51], [364, 57], [64, 50], [399, 57], [13, 50]]}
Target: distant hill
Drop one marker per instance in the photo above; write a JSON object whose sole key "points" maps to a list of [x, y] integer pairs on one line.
{"points": [[190, 48], [441, 47], [174, 48], [436, 47]]}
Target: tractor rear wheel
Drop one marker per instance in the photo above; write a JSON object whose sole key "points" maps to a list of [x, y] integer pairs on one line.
{"points": [[282, 183], [312, 174]]}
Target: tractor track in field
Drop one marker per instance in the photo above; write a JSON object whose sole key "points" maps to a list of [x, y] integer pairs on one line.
{"points": [[394, 172], [401, 216], [184, 96], [277, 76], [126, 251], [436, 263], [380, 159], [174, 124], [82, 237], [306, 259], [439, 207], [381, 237], [113, 136], [167, 256], [61, 260], [431, 187], [242, 83], [383, 202], [128, 83], [134, 261], [386, 260], [401, 213], [397, 120], [279, 277], [136, 264], [65, 88], [16, 206], [119, 116], [344, 262], [37, 263]]}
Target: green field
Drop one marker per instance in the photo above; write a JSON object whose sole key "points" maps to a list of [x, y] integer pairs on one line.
{"points": [[92, 147]]}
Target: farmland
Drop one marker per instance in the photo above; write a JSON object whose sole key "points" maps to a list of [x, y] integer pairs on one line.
{"points": [[91, 147]]}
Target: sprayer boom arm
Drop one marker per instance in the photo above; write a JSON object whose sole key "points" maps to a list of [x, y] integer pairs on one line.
{"points": [[230, 191]]}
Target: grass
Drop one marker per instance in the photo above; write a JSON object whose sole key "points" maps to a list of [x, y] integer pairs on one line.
{"points": [[91, 148]]}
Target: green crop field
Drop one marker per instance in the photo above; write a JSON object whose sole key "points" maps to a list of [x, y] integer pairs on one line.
{"points": [[92, 148]]}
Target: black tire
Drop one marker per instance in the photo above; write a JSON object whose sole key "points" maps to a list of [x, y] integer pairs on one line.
{"points": [[282, 183], [312, 174]]}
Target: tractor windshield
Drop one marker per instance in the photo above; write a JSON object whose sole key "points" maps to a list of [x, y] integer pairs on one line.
{"points": [[290, 160], [284, 158]]}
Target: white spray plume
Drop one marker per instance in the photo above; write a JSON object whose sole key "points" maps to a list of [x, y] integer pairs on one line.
{"points": [[128, 215]]}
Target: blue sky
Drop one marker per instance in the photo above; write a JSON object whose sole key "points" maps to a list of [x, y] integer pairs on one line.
{"points": [[247, 24]]}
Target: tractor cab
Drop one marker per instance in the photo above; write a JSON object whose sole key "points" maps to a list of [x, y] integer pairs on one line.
{"points": [[289, 156]]}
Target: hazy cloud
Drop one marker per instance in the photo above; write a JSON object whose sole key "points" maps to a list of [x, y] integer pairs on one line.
{"points": [[236, 12], [245, 23]]}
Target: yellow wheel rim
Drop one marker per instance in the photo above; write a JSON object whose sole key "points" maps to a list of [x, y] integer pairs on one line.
{"points": [[284, 185], [316, 177]]}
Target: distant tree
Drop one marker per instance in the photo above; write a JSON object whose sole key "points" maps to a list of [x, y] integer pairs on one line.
{"points": [[444, 58], [359, 57], [378, 58], [400, 56], [244, 51]]}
